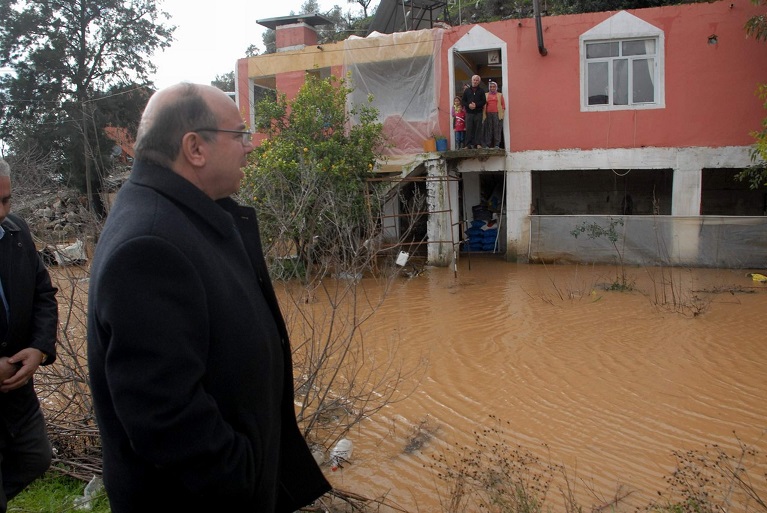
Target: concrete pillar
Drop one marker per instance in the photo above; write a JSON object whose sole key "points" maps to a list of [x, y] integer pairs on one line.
{"points": [[519, 197], [685, 202], [439, 229], [688, 180]]}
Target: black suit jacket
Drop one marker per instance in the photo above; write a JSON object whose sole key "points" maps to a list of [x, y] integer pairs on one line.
{"points": [[34, 314], [189, 359]]}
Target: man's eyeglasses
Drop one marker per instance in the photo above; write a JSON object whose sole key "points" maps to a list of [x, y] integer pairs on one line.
{"points": [[246, 135]]}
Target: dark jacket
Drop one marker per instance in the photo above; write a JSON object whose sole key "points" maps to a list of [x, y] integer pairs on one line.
{"points": [[189, 359], [34, 314], [476, 95]]}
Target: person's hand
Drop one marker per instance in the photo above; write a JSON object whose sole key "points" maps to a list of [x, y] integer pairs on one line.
{"points": [[29, 360], [472, 105], [7, 369]]}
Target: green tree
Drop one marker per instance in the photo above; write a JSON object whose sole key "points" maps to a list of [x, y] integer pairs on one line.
{"points": [[364, 4], [224, 82], [309, 7], [757, 25], [253, 50], [309, 177], [310, 182], [493, 10], [338, 30], [596, 231], [343, 26], [756, 174], [269, 38], [66, 56]]}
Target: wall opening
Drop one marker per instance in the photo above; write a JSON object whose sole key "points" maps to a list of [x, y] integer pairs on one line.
{"points": [[724, 195], [602, 192]]}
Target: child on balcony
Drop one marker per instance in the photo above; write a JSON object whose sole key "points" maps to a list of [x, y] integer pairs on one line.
{"points": [[459, 122]]}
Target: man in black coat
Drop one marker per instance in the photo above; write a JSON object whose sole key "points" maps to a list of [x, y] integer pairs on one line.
{"points": [[189, 359], [474, 100], [29, 320]]}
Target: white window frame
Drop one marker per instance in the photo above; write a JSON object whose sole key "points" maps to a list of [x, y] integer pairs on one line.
{"points": [[620, 28]]}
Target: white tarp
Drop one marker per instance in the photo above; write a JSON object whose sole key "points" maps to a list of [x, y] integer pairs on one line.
{"points": [[696, 241], [402, 73]]}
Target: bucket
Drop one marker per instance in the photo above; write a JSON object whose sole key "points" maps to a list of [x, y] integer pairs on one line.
{"points": [[441, 144], [429, 145], [402, 258]]}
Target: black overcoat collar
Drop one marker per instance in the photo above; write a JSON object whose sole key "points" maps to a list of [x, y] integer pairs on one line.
{"points": [[183, 192]]}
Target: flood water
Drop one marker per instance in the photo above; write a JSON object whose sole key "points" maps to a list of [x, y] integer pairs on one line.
{"points": [[606, 383]]}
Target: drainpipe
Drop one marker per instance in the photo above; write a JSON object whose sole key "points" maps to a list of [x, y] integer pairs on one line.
{"points": [[538, 29]]}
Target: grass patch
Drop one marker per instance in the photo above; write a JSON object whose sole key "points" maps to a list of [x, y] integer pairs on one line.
{"points": [[57, 493]]}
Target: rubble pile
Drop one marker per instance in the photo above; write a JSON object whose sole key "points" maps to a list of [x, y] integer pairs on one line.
{"points": [[55, 216]]}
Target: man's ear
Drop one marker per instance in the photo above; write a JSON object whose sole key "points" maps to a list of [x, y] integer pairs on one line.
{"points": [[194, 149]]}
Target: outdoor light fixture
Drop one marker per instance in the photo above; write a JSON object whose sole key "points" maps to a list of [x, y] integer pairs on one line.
{"points": [[713, 39]]}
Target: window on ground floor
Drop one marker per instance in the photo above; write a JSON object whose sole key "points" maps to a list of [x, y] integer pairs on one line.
{"points": [[724, 195], [602, 192]]}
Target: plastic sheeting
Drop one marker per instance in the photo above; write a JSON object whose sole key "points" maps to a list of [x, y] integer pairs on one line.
{"points": [[704, 241], [64, 254], [401, 71]]}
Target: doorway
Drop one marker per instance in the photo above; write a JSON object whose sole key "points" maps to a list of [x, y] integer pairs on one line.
{"points": [[486, 64]]}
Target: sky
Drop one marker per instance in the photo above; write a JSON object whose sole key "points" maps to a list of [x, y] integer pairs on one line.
{"points": [[211, 36]]}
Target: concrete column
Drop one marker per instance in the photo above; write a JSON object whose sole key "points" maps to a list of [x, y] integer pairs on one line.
{"points": [[688, 178], [439, 229], [685, 202], [519, 197]]}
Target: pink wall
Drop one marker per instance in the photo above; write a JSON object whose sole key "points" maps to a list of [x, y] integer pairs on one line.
{"points": [[710, 98], [337, 71], [709, 89], [289, 83]]}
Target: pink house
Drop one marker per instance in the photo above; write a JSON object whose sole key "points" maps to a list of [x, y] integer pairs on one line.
{"points": [[641, 117]]}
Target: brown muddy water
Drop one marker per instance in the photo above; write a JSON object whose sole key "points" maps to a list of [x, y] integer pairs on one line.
{"points": [[607, 384]]}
